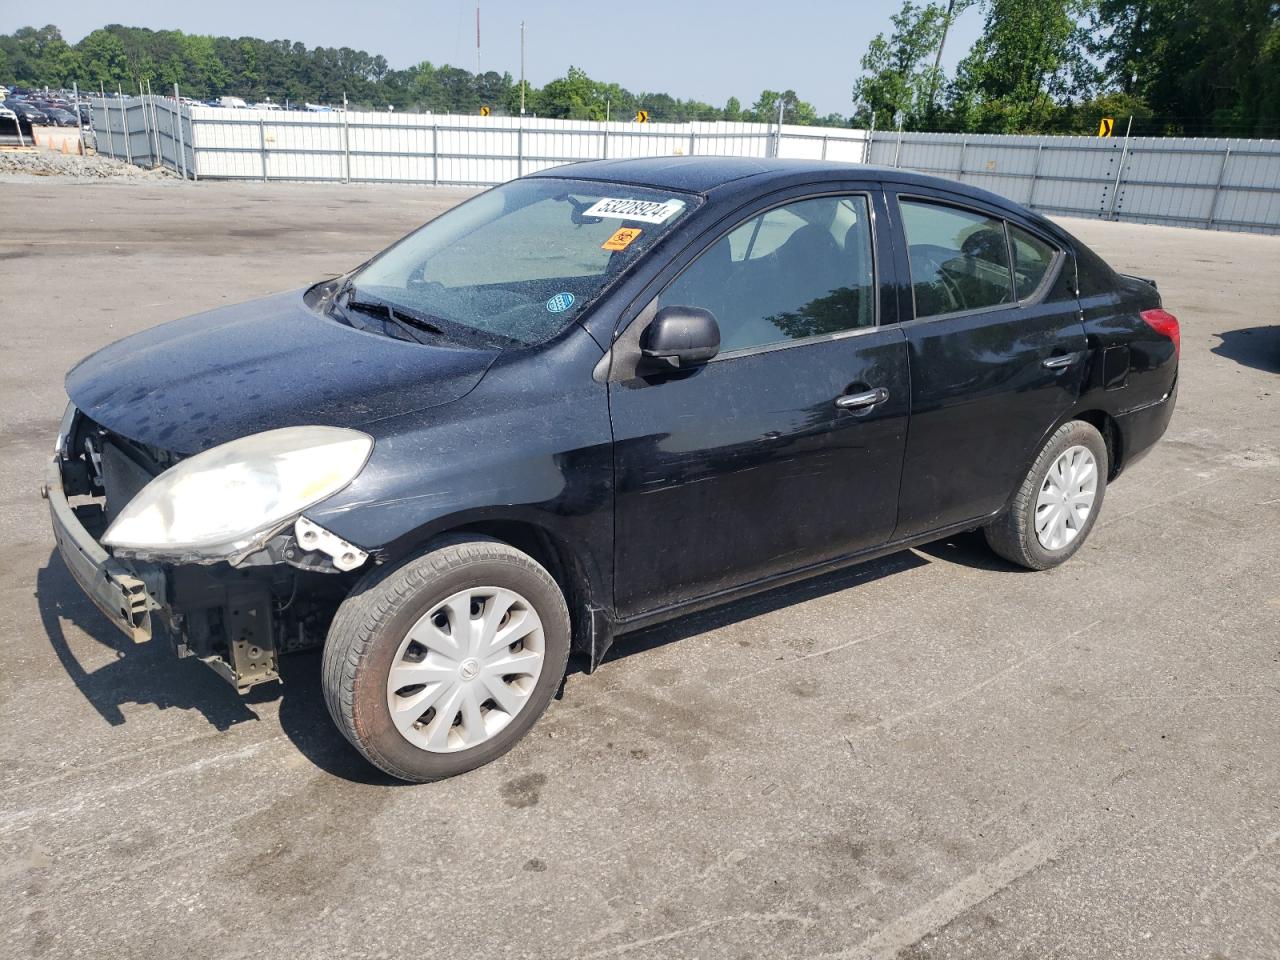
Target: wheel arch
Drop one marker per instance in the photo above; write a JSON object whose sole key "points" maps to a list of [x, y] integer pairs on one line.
{"points": [[572, 563], [1100, 420], [1106, 425]]}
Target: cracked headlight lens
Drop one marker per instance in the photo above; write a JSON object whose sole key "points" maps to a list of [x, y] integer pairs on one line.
{"points": [[227, 500]]}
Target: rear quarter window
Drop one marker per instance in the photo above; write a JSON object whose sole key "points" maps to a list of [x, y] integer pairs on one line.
{"points": [[1032, 260]]}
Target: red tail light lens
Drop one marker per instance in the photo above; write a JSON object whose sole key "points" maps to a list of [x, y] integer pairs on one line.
{"points": [[1164, 322]]}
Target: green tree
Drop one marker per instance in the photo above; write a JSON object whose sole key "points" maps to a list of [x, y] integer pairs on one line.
{"points": [[1205, 67], [794, 110], [900, 75], [1030, 60]]}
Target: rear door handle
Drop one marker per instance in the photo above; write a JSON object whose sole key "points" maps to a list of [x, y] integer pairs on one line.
{"points": [[863, 400], [1060, 362]]}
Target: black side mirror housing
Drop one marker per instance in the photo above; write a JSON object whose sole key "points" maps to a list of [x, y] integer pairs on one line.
{"points": [[680, 338]]}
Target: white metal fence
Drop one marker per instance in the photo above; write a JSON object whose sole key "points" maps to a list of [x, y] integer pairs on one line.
{"points": [[1219, 184]]}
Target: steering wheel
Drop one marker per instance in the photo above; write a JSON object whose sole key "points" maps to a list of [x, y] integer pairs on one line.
{"points": [[949, 286]]}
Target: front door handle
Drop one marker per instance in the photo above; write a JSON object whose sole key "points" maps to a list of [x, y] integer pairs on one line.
{"points": [[1060, 362], [863, 400]]}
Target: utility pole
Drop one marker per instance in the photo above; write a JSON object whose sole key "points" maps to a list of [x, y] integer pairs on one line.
{"points": [[937, 60], [477, 38], [522, 68]]}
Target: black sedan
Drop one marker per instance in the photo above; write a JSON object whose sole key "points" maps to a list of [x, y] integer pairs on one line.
{"points": [[28, 115], [58, 117], [590, 400]]}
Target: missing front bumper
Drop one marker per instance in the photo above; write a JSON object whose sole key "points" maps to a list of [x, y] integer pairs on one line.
{"points": [[229, 627], [125, 595]]}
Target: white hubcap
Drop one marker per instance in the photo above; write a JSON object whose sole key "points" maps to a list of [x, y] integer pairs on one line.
{"points": [[465, 669], [1066, 498]]}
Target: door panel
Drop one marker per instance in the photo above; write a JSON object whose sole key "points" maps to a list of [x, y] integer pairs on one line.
{"points": [[746, 467], [986, 386]]}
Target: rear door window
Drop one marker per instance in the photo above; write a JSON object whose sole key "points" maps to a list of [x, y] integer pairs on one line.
{"points": [[959, 259]]}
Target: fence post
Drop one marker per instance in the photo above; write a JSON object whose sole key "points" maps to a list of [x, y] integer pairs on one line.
{"points": [[346, 146], [146, 127], [897, 154], [75, 95], [693, 142], [1035, 172], [435, 154], [520, 150], [1217, 188], [262, 146], [124, 119], [604, 147], [182, 147], [869, 141], [1124, 155], [824, 146], [155, 125], [106, 115], [964, 148]]}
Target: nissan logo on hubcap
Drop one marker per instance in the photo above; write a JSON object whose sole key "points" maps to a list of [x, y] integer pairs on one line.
{"points": [[469, 669]]}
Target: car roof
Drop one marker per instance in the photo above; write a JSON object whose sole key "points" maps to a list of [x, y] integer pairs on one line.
{"points": [[707, 174]]}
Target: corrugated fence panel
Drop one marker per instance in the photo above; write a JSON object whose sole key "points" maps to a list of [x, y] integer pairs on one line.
{"points": [[1222, 184]]}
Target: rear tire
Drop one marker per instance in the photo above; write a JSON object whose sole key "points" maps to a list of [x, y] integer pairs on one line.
{"points": [[461, 694], [1047, 520]]}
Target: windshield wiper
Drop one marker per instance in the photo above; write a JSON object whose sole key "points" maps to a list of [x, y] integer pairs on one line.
{"points": [[406, 321]]}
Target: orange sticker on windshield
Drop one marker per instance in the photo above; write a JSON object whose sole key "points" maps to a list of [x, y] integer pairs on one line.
{"points": [[622, 239]]}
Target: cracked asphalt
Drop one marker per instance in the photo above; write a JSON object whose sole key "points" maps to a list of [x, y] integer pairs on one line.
{"points": [[930, 756]]}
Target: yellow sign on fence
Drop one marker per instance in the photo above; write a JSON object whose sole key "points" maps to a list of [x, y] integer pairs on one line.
{"points": [[1106, 125], [642, 116], [484, 111]]}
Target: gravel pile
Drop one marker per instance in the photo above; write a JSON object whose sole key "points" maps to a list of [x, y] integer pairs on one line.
{"points": [[46, 163]]}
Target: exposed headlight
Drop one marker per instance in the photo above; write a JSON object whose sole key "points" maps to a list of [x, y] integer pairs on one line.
{"points": [[228, 500]]}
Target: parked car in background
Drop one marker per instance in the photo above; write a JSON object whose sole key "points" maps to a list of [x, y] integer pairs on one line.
{"points": [[267, 105], [28, 115], [61, 118], [232, 103], [85, 112], [590, 400]]}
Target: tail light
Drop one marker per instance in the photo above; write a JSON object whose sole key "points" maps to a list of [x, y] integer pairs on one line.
{"points": [[1166, 324]]}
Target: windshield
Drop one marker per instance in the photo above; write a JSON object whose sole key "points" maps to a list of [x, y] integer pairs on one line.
{"points": [[515, 265]]}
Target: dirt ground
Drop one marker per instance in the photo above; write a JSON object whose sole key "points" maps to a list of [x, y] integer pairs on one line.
{"points": [[933, 755]]}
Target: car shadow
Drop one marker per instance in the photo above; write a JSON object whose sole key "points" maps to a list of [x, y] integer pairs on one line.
{"points": [[150, 673], [145, 673], [970, 550], [1257, 347], [753, 606]]}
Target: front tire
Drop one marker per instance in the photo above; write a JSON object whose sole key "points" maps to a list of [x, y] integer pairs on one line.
{"points": [[1055, 507], [441, 663]]}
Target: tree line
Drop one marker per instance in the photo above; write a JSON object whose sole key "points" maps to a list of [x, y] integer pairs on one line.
{"points": [[1178, 67], [280, 70]]}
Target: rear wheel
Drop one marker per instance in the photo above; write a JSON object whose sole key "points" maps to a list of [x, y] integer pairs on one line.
{"points": [[1058, 501], [440, 664]]}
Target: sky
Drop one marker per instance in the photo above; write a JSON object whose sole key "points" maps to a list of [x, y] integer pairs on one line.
{"points": [[706, 51]]}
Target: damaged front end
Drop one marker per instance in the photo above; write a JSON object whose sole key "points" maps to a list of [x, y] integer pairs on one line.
{"points": [[234, 592]]}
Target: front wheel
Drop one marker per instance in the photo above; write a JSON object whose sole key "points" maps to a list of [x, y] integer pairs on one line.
{"points": [[440, 664], [1057, 504]]}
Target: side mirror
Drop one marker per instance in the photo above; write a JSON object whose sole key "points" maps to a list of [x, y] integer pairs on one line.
{"points": [[680, 338]]}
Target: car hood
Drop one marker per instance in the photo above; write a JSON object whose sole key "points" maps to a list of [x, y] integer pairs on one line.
{"points": [[194, 383]]}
